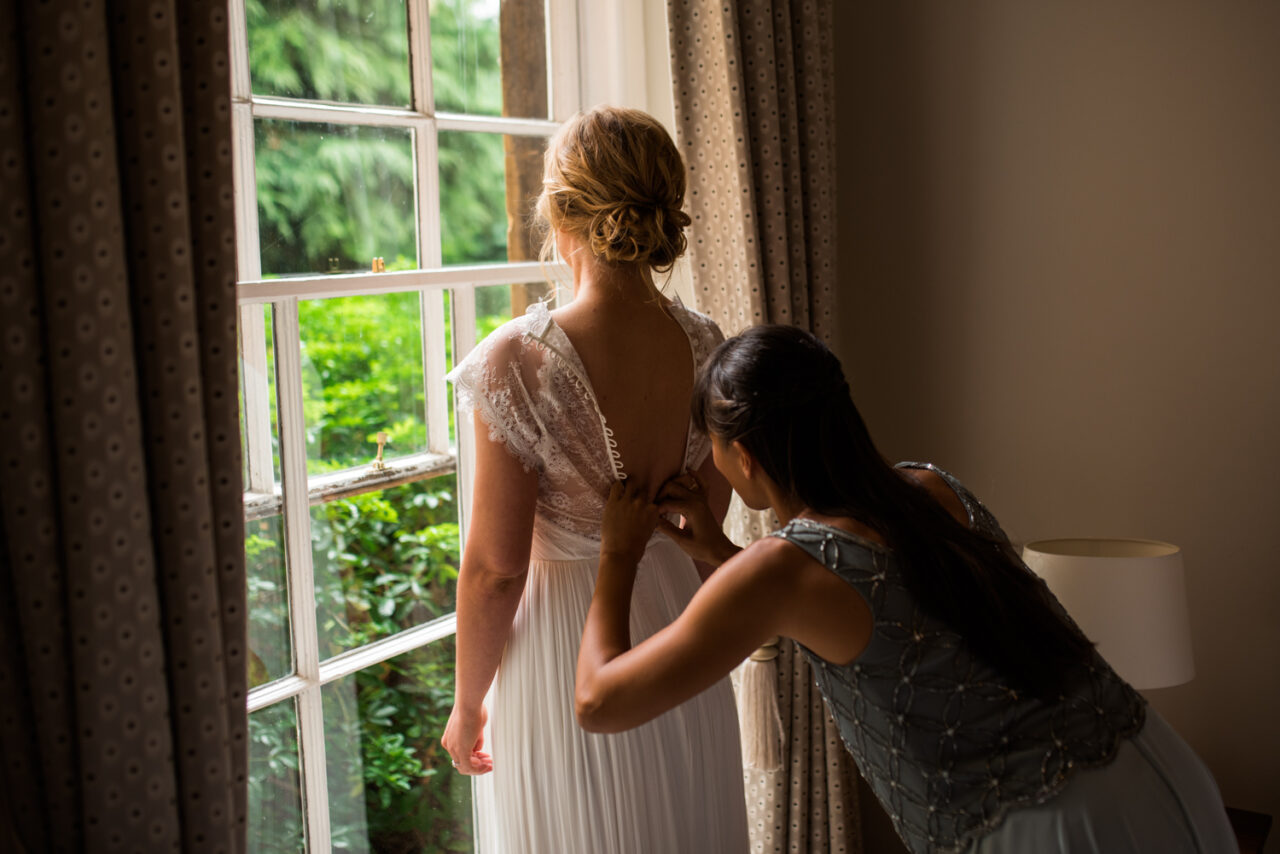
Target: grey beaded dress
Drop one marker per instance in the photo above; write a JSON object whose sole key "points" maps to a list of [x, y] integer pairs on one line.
{"points": [[946, 744]]}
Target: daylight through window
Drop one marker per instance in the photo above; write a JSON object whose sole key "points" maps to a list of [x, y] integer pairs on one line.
{"points": [[388, 153]]}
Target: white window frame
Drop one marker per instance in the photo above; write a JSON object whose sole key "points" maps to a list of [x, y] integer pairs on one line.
{"points": [[264, 497], [596, 58]]}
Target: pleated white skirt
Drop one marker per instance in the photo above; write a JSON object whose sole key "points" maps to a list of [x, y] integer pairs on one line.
{"points": [[672, 785]]}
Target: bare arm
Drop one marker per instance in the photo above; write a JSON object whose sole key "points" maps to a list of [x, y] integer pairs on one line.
{"points": [[718, 494], [744, 603], [490, 584], [702, 506]]}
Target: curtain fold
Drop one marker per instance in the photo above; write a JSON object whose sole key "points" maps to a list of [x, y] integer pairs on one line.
{"points": [[122, 520], [755, 119]]}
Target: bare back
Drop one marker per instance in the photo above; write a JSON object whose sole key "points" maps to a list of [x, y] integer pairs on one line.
{"points": [[640, 366]]}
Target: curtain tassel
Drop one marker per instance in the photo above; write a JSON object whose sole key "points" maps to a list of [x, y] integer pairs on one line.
{"points": [[758, 711]]}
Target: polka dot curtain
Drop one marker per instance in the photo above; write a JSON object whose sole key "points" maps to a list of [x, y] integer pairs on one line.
{"points": [[755, 120], [122, 590]]}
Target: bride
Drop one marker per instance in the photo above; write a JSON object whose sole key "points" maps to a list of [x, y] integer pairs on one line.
{"points": [[566, 403]]}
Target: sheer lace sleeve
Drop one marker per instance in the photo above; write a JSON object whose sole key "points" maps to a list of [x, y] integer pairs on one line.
{"points": [[705, 336], [498, 380], [703, 333]]}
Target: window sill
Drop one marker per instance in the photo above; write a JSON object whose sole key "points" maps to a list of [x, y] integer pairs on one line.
{"points": [[354, 481]]}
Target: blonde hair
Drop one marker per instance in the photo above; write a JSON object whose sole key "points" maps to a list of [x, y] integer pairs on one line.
{"points": [[613, 177]]}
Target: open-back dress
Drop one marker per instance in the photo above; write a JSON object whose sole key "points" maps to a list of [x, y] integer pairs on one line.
{"points": [[671, 785]]}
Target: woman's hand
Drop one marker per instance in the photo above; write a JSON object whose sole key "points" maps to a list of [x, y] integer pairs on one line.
{"points": [[464, 737], [701, 536], [629, 519]]}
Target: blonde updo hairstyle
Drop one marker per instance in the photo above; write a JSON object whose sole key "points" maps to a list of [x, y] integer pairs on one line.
{"points": [[613, 177]]}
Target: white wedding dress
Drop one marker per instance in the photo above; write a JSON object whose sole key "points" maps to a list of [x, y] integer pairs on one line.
{"points": [[672, 785]]}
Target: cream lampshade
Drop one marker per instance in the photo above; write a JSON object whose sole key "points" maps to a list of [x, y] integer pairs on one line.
{"points": [[1129, 597]]}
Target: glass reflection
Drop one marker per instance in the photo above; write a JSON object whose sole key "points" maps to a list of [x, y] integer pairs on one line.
{"points": [[391, 787], [275, 787], [489, 186], [353, 51], [490, 57], [270, 655], [332, 198]]}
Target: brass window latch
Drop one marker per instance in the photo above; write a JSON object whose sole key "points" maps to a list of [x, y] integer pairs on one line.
{"points": [[379, 266], [382, 439]]}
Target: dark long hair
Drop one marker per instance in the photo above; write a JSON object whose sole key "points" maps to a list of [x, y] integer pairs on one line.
{"points": [[782, 394]]}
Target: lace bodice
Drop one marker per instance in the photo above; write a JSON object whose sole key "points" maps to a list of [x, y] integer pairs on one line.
{"points": [[530, 387]]}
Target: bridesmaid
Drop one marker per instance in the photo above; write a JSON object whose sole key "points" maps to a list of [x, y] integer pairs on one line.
{"points": [[980, 715]]}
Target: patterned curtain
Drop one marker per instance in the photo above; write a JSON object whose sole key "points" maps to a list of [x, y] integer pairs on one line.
{"points": [[122, 586], [755, 119]]}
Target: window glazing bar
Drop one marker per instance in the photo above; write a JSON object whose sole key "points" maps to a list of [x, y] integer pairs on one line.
{"points": [[426, 157], [348, 114], [354, 481], [341, 114], [364, 284], [497, 124], [302, 596], [353, 661]]}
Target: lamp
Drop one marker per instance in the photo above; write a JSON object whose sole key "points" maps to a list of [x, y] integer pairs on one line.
{"points": [[1128, 596]]}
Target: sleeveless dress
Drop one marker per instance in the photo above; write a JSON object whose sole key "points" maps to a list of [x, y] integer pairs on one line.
{"points": [[672, 785], [962, 762]]}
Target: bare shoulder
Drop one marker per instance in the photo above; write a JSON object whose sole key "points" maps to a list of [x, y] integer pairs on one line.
{"points": [[940, 491], [702, 325], [808, 602], [767, 566], [777, 568], [773, 554]]}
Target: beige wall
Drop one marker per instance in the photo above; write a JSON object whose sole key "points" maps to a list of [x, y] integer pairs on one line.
{"points": [[1060, 242]]}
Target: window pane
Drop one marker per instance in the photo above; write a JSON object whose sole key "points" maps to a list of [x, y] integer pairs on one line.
{"points": [[481, 222], [270, 655], [496, 304], [490, 57], [384, 561], [391, 787], [493, 308], [333, 50], [275, 789], [361, 375], [331, 198]]}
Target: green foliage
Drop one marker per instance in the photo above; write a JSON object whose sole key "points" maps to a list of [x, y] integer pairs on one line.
{"points": [[346, 193], [330, 50], [333, 192], [383, 561], [275, 803], [268, 602], [472, 198], [362, 373], [465, 54]]}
